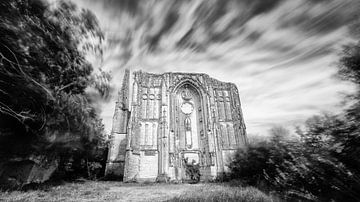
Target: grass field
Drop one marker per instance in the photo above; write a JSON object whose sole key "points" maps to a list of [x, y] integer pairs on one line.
{"points": [[118, 191]]}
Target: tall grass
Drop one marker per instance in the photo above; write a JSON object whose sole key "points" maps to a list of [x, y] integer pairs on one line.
{"points": [[223, 193]]}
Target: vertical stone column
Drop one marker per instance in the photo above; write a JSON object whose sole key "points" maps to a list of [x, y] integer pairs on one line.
{"points": [[217, 134], [116, 157], [164, 134], [132, 159], [238, 119], [213, 149]]}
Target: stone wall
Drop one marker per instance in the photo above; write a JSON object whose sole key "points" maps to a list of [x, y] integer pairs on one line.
{"points": [[132, 165], [117, 148], [18, 172], [160, 133], [148, 166], [116, 158]]}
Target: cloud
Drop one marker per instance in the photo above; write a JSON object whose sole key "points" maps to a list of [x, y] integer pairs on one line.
{"points": [[279, 53]]}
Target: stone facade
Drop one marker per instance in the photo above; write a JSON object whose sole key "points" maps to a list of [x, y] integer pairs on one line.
{"points": [[174, 118]]}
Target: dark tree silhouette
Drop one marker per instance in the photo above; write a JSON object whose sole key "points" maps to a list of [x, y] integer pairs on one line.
{"points": [[44, 107]]}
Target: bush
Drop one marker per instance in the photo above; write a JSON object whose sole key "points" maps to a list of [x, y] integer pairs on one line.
{"points": [[303, 169], [250, 162], [192, 171]]}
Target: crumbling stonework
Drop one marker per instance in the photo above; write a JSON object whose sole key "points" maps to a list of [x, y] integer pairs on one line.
{"points": [[175, 118], [15, 173]]}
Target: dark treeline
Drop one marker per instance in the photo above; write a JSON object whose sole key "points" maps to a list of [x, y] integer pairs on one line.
{"points": [[323, 164], [47, 115]]}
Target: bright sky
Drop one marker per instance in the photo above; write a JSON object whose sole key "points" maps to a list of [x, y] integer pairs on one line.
{"points": [[281, 54]]}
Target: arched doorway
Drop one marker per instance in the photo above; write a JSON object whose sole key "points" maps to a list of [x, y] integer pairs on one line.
{"points": [[189, 127]]}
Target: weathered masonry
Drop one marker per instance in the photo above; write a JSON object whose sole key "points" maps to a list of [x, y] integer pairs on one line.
{"points": [[172, 119]]}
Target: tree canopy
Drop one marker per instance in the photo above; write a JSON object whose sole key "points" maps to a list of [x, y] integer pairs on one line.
{"points": [[44, 78]]}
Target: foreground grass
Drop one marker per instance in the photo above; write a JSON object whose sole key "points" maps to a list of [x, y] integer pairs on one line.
{"points": [[118, 191], [224, 193]]}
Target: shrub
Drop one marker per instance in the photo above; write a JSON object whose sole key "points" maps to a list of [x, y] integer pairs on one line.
{"points": [[303, 169], [192, 170]]}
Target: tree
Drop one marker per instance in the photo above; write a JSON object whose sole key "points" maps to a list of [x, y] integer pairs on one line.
{"points": [[44, 77], [305, 168], [349, 70]]}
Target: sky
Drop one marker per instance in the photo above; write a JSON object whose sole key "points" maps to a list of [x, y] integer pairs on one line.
{"points": [[281, 54]]}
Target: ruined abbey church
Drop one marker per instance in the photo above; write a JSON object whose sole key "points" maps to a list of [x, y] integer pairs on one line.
{"points": [[169, 120]]}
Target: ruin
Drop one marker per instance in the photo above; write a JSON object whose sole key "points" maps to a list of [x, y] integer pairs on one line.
{"points": [[171, 119]]}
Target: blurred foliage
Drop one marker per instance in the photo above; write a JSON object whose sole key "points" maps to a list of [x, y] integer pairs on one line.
{"points": [[323, 164], [44, 107], [308, 169]]}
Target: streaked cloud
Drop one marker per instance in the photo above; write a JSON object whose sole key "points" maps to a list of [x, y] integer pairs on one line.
{"points": [[280, 53]]}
